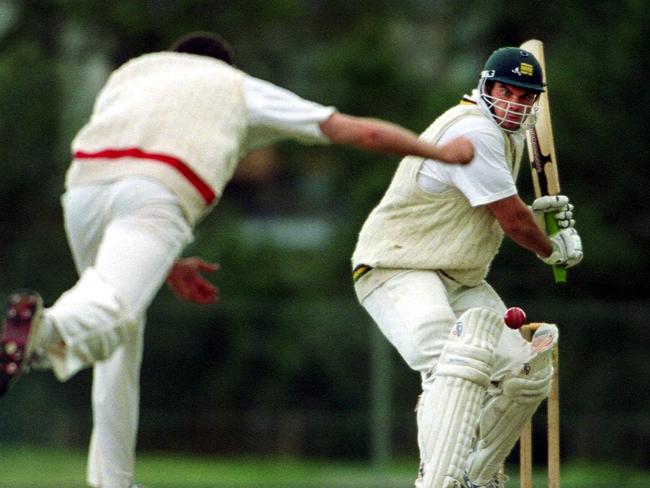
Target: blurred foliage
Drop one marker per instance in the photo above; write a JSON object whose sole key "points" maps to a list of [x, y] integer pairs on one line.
{"points": [[281, 365]]}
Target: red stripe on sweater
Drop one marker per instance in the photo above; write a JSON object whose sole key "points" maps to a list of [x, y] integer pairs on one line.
{"points": [[195, 180]]}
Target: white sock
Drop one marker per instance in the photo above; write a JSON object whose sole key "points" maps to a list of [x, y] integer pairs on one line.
{"points": [[46, 335]]}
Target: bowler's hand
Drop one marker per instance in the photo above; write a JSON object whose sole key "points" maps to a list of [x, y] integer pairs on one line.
{"points": [[457, 151], [187, 283]]}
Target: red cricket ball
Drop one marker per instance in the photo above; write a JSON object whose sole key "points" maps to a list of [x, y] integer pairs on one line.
{"points": [[514, 317]]}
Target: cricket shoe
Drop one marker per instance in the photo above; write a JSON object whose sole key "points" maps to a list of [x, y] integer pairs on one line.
{"points": [[22, 319], [499, 481]]}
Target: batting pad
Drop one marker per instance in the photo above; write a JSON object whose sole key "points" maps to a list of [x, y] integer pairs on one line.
{"points": [[509, 406], [449, 409]]}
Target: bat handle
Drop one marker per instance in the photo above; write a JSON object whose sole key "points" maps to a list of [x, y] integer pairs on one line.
{"points": [[559, 272]]}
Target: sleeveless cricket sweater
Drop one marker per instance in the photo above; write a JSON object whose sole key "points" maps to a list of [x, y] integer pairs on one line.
{"points": [[178, 118], [414, 229]]}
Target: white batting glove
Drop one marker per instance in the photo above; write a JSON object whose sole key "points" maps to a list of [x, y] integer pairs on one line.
{"points": [[559, 206], [567, 248]]}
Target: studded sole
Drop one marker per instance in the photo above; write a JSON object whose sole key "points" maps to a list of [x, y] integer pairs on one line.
{"points": [[23, 313]]}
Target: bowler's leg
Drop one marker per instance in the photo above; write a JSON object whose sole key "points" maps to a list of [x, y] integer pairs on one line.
{"points": [[115, 404], [116, 388]]}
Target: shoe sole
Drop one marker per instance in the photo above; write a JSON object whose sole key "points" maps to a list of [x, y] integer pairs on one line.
{"points": [[23, 313]]}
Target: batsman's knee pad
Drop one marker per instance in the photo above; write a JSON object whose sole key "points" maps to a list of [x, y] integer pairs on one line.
{"points": [[508, 406], [449, 409]]}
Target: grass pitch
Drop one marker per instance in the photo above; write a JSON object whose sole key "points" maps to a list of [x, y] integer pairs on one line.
{"points": [[37, 467]]}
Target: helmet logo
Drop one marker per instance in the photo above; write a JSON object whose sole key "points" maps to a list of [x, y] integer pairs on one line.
{"points": [[523, 69]]}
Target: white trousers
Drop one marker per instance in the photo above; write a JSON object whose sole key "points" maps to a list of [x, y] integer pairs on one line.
{"points": [[415, 310], [124, 237]]}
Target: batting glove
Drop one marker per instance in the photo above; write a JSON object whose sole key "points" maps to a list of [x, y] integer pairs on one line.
{"points": [[559, 206], [567, 248]]}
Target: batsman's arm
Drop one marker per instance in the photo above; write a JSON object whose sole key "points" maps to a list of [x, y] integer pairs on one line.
{"points": [[385, 137], [519, 223]]}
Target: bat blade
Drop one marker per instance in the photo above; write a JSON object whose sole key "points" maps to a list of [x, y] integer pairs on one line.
{"points": [[541, 151]]}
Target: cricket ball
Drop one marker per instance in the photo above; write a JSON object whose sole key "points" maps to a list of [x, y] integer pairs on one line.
{"points": [[514, 317]]}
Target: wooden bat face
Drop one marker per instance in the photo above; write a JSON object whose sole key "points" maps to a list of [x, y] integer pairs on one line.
{"points": [[538, 162], [541, 145], [541, 151]]}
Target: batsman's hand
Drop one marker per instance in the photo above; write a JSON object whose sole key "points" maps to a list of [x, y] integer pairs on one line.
{"points": [[559, 206], [567, 248], [457, 151], [187, 283]]}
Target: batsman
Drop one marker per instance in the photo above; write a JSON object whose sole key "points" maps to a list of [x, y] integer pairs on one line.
{"points": [[420, 265]]}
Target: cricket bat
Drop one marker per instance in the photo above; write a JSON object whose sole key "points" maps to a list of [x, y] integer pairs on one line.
{"points": [[541, 152]]}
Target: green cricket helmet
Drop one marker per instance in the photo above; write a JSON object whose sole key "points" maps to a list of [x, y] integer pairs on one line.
{"points": [[514, 66]]}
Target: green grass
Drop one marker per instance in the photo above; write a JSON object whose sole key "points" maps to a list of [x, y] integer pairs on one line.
{"points": [[37, 467]]}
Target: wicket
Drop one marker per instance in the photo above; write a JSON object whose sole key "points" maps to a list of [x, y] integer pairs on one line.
{"points": [[552, 432]]}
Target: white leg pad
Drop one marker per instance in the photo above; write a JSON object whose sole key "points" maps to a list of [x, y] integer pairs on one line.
{"points": [[509, 406], [451, 400]]}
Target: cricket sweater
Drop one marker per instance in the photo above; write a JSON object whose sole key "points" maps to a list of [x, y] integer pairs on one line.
{"points": [[178, 118], [414, 229]]}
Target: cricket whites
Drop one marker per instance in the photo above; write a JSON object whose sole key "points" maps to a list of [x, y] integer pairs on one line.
{"points": [[541, 152]]}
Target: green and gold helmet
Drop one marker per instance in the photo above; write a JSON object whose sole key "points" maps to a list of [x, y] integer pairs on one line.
{"points": [[514, 66]]}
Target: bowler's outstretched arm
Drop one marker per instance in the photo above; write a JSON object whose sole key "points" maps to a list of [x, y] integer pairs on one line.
{"points": [[381, 136]]}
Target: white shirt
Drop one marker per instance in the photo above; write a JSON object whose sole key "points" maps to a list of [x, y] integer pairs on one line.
{"points": [[186, 120], [486, 179], [275, 113]]}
